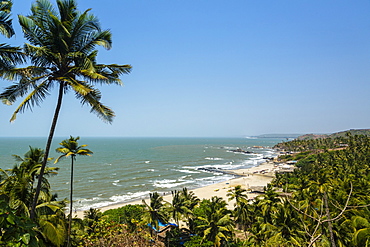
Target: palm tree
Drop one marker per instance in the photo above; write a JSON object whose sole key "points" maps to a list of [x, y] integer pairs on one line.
{"points": [[238, 193], [91, 217], [18, 183], [191, 202], [178, 206], [215, 222], [62, 50], [9, 56], [69, 147], [242, 208], [155, 210]]}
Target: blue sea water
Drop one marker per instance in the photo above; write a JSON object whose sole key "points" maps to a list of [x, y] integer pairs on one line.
{"points": [[127, 169]]}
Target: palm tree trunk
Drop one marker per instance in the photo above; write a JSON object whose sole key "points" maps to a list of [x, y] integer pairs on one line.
{"points": [[47, 150], [70, 207]]}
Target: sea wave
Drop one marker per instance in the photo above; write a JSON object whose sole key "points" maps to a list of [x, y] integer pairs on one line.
{"points": [[129, 196], [210, 158], [187, 171], [205, 181], [168, 183]]}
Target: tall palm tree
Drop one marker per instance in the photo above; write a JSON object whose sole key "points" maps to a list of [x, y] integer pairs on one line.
{"points": [[155, 210], [242, 208], [191, 202], [62, 50], [9, 56], [177, 207], [70, 148]]}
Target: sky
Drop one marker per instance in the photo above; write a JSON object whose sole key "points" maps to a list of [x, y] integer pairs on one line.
{"points": [[219, 69]]}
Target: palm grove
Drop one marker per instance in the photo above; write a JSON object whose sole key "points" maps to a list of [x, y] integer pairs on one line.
{"points": [[324, 202]]}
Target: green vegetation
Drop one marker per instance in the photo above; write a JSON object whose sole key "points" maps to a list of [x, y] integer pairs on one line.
{"points": [[325, 202]]}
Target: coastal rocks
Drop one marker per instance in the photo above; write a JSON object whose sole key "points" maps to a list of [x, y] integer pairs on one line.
{"points": [[218, 170], [239, 150], [209, 169]]}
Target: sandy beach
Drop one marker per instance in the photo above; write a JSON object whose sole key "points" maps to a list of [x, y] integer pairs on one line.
{"points": [[249, 179]]}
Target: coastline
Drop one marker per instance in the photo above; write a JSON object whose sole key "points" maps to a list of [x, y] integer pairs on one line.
{"points": [[249, 178]]}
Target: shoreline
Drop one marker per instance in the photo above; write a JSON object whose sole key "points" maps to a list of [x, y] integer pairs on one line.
{"points": [[249, 178]]}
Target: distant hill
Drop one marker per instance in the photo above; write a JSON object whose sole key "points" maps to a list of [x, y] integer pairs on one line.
{"points": [[279, 136], [312, 136], [352, 131], [334, 135]]}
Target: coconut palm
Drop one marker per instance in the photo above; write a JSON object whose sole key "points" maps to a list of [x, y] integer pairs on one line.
{"points": [[91, 217], [9, 56], [62, 50], [238, 193], [155, 212], [215, 223], [70, 148], [18, 183], [178, 206], [191, 202]]}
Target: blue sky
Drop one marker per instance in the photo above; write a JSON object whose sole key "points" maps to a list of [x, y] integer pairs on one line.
{"points": [[220, 68]]}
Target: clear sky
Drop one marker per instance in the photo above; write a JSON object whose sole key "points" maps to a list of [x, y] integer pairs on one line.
{"points": [[220, 68]]}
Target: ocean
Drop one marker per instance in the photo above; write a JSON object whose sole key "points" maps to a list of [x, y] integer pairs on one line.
{"points": [[128, 169]]}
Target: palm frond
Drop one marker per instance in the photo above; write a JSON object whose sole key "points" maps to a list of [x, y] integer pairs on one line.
{"points": [[30, 73], [10, 56], [67, 10], [42, 56], [34, 98], [110, 73], [79, 87], [53, 231], [13, 92], [6, 28], [6, 5], [31, 31], [93, 99]]}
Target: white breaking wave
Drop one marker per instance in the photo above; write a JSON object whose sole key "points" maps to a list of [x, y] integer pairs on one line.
{"points": [[187, 171], [129, 196], [210, 158], [167, 183], [96, 202]]}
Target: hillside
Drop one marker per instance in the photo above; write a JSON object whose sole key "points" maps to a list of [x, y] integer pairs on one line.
{"points": [[334, 135]]}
